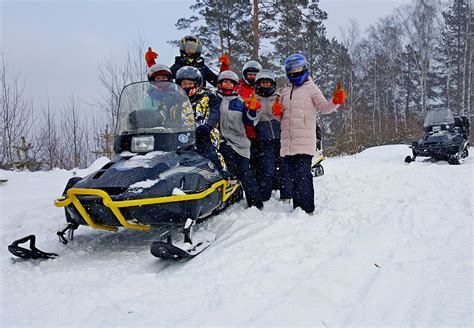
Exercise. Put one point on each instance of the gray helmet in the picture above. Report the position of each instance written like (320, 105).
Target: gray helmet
(251, 66)
(228, 75)
(189, 73)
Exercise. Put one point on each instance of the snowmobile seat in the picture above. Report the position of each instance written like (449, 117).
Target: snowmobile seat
(145, 119)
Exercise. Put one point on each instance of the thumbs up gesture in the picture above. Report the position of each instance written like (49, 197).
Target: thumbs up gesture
(339, 95)
(252, 102)
(225, 62)
(277, 107)
(150, 57)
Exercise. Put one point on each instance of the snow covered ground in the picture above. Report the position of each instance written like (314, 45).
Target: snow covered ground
(389, 244)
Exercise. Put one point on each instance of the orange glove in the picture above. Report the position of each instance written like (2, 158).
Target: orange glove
(252, 102)
(277, 107)
(339, 95)
(225, 62)
(150, 57)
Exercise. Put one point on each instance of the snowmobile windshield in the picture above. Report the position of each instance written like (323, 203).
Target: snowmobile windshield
(154, 107)
(438, 117)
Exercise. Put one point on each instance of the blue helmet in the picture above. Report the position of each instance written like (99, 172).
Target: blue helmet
(296, 69)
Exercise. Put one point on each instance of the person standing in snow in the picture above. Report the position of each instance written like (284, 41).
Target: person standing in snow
(300, 102)
(246, 89)
(268, 136)
(190, 55)
(235, 146)
(206, 113)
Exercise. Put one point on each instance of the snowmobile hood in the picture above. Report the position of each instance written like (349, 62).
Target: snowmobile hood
(156, 174)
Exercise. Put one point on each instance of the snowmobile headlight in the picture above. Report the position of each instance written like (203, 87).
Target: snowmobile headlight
(143, 144)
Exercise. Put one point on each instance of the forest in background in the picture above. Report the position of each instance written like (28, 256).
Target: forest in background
(417, 58)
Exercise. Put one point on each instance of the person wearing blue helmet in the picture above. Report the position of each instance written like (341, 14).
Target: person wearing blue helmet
(301, 101)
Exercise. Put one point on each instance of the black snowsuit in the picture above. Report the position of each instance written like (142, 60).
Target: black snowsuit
(207, 74)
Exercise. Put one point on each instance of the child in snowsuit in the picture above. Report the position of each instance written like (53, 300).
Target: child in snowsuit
(246, 89)
(268, 136)
(190, 55)
(206, 113)
(235, 146)
(300, 102)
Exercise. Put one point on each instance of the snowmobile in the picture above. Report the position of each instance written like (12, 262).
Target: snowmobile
(156, 180)
(446, 137)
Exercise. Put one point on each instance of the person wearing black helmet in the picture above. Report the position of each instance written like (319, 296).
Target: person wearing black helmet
(206, 113)
(190, 55)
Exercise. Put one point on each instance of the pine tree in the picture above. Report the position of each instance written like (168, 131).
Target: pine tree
(454, 64)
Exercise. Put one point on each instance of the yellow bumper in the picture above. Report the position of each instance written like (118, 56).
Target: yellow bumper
(71, 197)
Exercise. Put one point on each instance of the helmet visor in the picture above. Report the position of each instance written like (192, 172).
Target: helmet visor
(191, 47)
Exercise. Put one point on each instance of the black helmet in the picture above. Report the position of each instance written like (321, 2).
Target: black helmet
(190, 46)
(265, 75)
(250, 67)
(192, 74)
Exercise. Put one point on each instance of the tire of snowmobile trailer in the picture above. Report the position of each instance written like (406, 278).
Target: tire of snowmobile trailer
(408, 159)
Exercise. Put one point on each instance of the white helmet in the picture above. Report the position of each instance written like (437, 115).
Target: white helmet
(158, 69)
(227, 75)
(251, 66)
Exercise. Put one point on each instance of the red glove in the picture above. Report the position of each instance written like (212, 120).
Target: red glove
(225, 62)
(150, 57)
(252, 102)
(250, 131)
(339, 95)
(277, 107)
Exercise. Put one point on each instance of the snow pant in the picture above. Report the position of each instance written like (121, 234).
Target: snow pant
(255, 157)
(273, 174)
(299, 168)
(207, 150)
(239, 167)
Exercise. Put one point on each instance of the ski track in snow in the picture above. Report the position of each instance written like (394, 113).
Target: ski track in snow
(390, 244)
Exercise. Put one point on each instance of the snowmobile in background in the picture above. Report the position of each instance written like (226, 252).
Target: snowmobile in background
(316, 168)
(446, 137)
(156, 180)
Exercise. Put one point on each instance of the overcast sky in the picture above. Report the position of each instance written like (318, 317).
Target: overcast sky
(58, 45)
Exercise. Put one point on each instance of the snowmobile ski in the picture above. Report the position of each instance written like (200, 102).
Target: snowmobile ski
(32, 253)
(168, 251)
(165, 249)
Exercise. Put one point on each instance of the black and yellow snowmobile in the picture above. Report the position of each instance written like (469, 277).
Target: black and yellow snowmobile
(156, 180)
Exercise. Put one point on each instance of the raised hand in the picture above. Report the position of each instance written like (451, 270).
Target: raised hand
(339, 95)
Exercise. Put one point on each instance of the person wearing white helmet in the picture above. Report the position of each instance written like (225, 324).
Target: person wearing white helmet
(246, 89)
(235, 146)
(159, 72)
